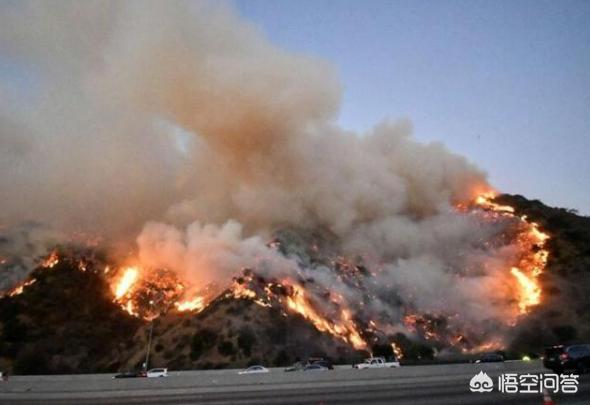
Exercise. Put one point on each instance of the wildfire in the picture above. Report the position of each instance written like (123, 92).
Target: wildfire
(19, 289)
(484, 347)
(530, 290)
(343, 328)
(51, 260)
(147, 293)
(240, 290)
(197, 304)
(47, 263)
(533, 257)
(485, 201)
(399, 354)
(293, 297)
(126, 282)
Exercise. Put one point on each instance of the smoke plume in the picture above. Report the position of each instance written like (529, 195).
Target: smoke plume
(181, 123)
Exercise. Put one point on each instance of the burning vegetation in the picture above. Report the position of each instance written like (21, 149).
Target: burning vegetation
(533, 253)
(149, 293)
(410, 333)
(372, 240)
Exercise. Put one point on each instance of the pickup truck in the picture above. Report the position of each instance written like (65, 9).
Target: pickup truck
(376, 362)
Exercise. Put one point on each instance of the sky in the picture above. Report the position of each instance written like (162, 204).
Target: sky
(505, 83)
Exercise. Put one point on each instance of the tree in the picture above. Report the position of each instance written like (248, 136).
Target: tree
(246, 340)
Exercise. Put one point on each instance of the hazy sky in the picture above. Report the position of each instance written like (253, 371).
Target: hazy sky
(506, 83)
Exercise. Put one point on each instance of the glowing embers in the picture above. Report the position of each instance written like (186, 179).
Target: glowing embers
(51, 260)
(48, 262)
(196, 304)
(530, 292)
(342, 326)
(18, 290)
(146, 293)
(397, 350)
(291, 296)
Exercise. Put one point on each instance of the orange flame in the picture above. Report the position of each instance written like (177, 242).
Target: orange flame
(533, 258)
(399, 354)
(51, 260)
(19, 289)
(344, 328)
(197, 304)
(530, 292)
(126, 282)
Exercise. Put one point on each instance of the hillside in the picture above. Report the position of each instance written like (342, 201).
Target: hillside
(563, 316)
(66, 321)
(235, 333)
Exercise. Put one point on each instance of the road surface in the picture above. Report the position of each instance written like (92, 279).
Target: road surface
(436, 384)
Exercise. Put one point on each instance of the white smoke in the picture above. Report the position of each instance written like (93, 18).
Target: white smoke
(179, 111)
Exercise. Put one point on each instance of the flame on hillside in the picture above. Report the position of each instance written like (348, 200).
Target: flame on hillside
(20, 288)
(196, 304)
(342, 326)
(533, 254)
(148, 293)
(125, 284)
(51, 260)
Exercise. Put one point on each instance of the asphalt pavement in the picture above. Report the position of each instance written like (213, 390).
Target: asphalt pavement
(435, 384)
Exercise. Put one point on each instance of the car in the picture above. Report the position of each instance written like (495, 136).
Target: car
(376, 362)
(157, 372)
(573, 357)
(254, 370)
(490, 358)
(128, 374)
(324, 363)
(314, 367)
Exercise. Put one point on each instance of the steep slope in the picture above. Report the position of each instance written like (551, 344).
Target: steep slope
(64, 322)
(564, 315)
(236, 332)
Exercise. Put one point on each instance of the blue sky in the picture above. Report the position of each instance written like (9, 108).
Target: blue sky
(505, 83)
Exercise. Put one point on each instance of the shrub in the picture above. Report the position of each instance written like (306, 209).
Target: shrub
(31, 361)
(282, 359)
(201, 342)
(246, 340)
(226, 348)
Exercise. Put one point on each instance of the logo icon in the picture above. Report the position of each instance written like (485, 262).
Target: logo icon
(481, 383)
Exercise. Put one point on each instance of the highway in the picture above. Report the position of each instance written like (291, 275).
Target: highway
(436, 384)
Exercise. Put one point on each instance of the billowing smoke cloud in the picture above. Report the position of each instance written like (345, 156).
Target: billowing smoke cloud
(208, 254)
(177, 112)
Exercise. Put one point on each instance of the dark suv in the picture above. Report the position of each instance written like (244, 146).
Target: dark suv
(324, 363)
(561, 358)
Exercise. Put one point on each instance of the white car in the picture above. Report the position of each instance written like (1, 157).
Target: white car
(376, 362)
(157, 372)
(254, 370)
